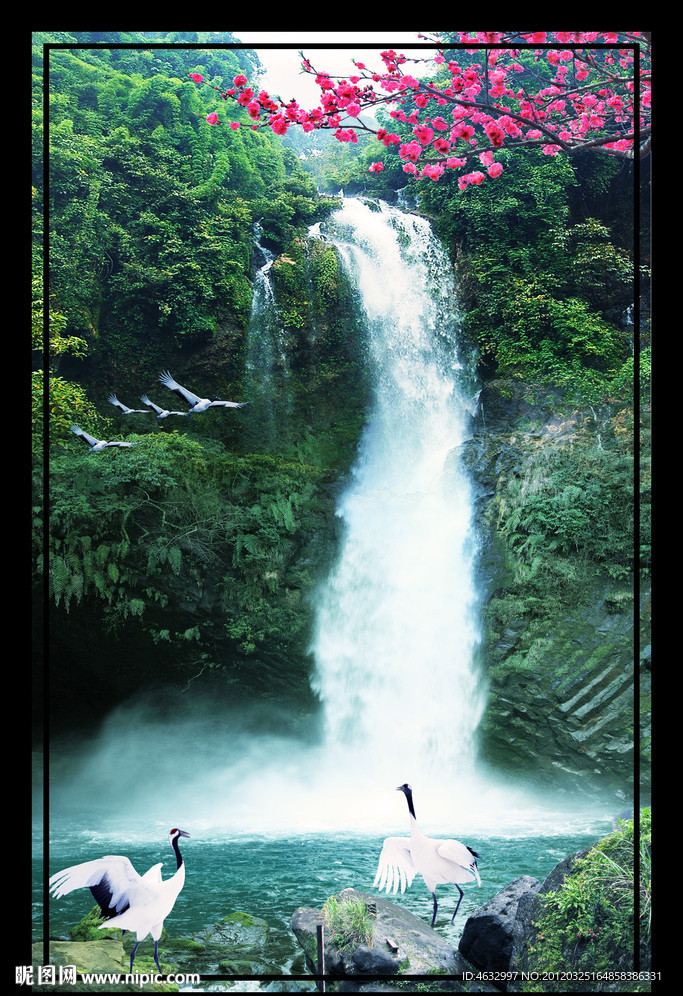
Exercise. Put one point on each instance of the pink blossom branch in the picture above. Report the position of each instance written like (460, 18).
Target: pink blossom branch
(592, 112)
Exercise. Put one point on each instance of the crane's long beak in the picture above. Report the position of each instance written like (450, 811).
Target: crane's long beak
(183, 834)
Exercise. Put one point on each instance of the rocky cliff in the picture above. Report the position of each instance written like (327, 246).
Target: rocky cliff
(560, 621)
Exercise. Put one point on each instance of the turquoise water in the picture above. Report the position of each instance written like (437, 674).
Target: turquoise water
(270, 876)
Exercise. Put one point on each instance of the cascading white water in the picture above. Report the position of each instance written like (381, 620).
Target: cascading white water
(267, 365)
(396, 621)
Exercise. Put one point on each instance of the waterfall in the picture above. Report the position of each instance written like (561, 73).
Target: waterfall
(267, 364)
(396, 630)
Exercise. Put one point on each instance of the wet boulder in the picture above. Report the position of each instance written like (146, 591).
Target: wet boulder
(494, 934)
(398, 942)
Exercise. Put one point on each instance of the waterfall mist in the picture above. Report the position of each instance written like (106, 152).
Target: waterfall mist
(396, 629)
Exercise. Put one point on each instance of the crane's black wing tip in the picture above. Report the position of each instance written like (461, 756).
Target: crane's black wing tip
(103, 894)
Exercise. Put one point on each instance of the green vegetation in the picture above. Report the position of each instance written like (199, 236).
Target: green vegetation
(570, 512)
(589, 923)
(198, 547)
(151, 212)
(545, 284)
(203, 548)
(88, 929)
(349, 922)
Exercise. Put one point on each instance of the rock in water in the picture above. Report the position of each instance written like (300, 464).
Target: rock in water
(494, 934)
(401, 942)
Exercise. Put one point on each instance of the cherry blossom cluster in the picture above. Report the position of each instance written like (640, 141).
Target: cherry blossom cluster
(584, 90)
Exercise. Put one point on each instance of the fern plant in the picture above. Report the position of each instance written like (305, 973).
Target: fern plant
(589, 924)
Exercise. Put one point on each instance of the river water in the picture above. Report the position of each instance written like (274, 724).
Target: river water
(270, 875)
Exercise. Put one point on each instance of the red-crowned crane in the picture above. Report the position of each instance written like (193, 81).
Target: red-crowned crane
(161, 412)
(139, 903)
(97, 445)
(113, 400)
(438, 861)
(196, 403)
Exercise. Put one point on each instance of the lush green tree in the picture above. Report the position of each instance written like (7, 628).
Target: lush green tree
(151, 213)
(545, 293)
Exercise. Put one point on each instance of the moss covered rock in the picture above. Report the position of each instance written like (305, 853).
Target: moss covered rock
(554, 508)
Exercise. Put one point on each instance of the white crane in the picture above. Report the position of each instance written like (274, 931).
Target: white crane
(438, 861)
(113, 400)
(97, 445)
(196, 403)
(161, 412)
(130, 901)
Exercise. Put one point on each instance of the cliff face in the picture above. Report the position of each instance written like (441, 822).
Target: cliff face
(559, 624)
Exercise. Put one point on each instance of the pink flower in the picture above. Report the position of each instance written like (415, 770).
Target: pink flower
(494, 170)
(495, 134)
(234, 125)
(510, 126)
(432, 171)
(376, 167)
(468, 178)
(197, 77)
(462, 131)
(345, 135)
(266, 102)
(423, 134)
(240, 79)
(279, 125)
(388, 138)
(245, 97)
(212, 118)
(410, 150)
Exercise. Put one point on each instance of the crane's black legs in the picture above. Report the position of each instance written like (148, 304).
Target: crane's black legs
(456, 908)
(459, 900)
(132, 956)
(156, 956)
